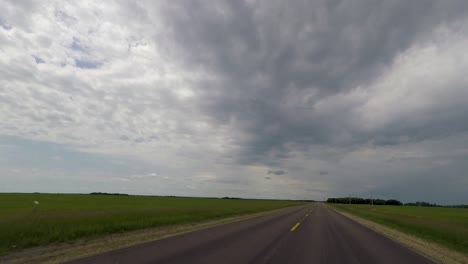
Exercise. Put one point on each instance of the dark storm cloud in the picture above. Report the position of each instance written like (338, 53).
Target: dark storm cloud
(274, 61)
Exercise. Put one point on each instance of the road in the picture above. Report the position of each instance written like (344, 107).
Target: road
(309, 234)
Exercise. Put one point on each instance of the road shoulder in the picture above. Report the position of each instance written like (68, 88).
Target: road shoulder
(433, 251)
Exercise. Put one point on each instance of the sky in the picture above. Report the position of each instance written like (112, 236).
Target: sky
(253, 99)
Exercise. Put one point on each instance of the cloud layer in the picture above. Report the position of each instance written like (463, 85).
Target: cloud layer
(345, 96)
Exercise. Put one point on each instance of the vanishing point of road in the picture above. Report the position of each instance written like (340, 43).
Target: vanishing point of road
(307, 234)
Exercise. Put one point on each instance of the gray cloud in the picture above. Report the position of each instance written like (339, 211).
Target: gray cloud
(6, 26)
(277, 172)
(371, 91)
(77, 45)
(84, 64)
(276, 63)
(38, 60)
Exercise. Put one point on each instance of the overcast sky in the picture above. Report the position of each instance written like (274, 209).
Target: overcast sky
(262, 99)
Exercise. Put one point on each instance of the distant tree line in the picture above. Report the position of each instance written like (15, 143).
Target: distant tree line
(458, 206)
(425, 204)
(104, 193)
(357, 200)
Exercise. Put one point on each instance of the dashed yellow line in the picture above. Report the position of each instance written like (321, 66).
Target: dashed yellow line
(298, 223)
(295, 226)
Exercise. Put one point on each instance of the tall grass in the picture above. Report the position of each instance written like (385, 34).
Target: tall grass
(67, 217)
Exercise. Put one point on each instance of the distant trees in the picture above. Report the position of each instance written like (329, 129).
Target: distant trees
(425, 204)
(344, 200)
(357, 200)
(393, 202)
(459, 206)
(376, 201)
(104, 193)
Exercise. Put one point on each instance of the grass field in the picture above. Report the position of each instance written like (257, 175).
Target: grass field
(445, 226)
(67, 217)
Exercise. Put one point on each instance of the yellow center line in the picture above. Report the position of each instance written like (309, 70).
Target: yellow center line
(295, 226)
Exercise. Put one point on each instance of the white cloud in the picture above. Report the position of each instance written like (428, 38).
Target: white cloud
(137, 93)
(424, 83)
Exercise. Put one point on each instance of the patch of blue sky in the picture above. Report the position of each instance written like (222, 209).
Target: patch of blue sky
(87, 64)
(38, 60)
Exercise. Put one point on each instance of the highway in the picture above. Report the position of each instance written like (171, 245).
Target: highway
(308, 234)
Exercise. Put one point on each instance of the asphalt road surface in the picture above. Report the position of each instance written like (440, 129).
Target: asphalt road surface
(309, 234)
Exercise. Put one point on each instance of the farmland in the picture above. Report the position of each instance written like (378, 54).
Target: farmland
(445, 226)
(66, 217)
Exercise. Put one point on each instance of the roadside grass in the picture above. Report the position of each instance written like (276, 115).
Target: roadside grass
(67, 217)
(445, 226)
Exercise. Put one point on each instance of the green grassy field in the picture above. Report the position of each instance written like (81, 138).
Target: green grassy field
(445, 226)
(67, 217)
